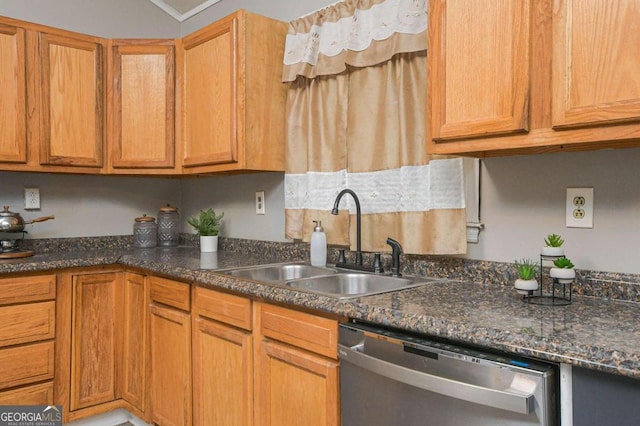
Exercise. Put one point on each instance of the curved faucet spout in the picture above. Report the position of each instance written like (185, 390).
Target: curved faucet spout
(334, 211)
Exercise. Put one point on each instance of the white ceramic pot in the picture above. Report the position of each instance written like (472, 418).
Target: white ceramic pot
(552, 251)
(208, 243)
(209, 260)
(525, 286)
(564, 275)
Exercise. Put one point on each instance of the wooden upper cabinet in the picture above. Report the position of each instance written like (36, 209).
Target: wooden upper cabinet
(232, 101)
(479, 67)
(596, 64)
(532, 76)
(141, 111)
(71, 100)
(13, 108)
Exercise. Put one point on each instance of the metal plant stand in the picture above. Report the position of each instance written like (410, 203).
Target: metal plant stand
(560, 291)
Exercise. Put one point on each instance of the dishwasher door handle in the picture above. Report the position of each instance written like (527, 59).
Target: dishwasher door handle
(522, 404)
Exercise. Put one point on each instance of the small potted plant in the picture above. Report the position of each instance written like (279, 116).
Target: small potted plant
(526, 281)
(553, 246)
(207, 226)
(563, 270)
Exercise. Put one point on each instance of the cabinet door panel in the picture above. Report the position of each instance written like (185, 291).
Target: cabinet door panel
(479, 67)
(93, 339)
(296, 387)
(135, 342)
(170, 334)
(596, 62)
(223, 375)
(210, 127)
(13, 108)
(143, 105)
(72, 101)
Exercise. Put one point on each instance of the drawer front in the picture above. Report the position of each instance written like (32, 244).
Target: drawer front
(26, 364)
(27, 323)
(226, 308)
(170, 293)
(27, 289)
(306, 331)
(40, 394)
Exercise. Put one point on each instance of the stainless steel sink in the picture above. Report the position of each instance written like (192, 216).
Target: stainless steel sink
(279, 273)
(348, 285)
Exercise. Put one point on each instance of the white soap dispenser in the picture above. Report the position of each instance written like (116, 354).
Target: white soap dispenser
(318, 245)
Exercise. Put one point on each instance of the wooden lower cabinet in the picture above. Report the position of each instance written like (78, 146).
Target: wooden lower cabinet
(222, 359)
(40, 394)
(295, 385)
(170, 336)
(94, 339)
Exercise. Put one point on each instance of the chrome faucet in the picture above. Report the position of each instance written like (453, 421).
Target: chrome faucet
(334, 211)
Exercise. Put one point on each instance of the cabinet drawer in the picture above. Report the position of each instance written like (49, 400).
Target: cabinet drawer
(226, 308)
(170, 293)
(27, 323)
(41, 394)
(306, 331)
(26, 364)
(27, 289)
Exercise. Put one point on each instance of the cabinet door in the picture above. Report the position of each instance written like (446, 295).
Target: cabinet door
(596, 66)
(93, 339)
(72, 100)
(170, 334)
(143, 93)
(222, 375)
(209, 95)
(479, 69)
(295, 387)
(13, 107)
(135, 341)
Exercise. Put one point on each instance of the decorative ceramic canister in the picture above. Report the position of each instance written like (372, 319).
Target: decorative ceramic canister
(168, 226)
(145, 232)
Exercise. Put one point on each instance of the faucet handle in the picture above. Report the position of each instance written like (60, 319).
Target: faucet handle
(341, 257)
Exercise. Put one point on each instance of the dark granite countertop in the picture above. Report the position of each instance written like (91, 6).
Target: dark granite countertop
(591, 332)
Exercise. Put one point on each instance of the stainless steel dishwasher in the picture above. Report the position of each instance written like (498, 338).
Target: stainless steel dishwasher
(391, 378)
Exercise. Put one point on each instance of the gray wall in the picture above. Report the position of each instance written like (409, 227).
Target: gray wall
(523, 198)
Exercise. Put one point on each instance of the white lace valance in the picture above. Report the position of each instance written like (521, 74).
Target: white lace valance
(352, 27)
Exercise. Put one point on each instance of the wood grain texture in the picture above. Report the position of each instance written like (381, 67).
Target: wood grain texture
(27, 323)
(222, 374)
(135, 341)
(223, 307)
(141, 108)
(26, 364)
(169, 292)
(31, 288)
(595, 62)
(13, 102)
(295, 387)
(40, 394)
(170, 375)
(94, 339)
(72, 99)
(306, 331)
(578, 100)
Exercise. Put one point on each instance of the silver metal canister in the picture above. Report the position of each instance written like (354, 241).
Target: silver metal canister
(145, 232)
(168, 226)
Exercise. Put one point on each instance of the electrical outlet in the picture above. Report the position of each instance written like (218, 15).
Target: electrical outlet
(579, 208)
(260, 202)
(32, 199)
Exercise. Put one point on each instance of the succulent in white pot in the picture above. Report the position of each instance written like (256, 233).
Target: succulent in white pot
(526, 281)
(553, 246)
(207, 225)
(563, 270)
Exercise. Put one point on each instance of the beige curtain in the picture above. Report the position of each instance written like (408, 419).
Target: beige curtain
(357, 120)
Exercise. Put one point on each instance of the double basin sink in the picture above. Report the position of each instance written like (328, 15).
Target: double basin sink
(337, 283)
